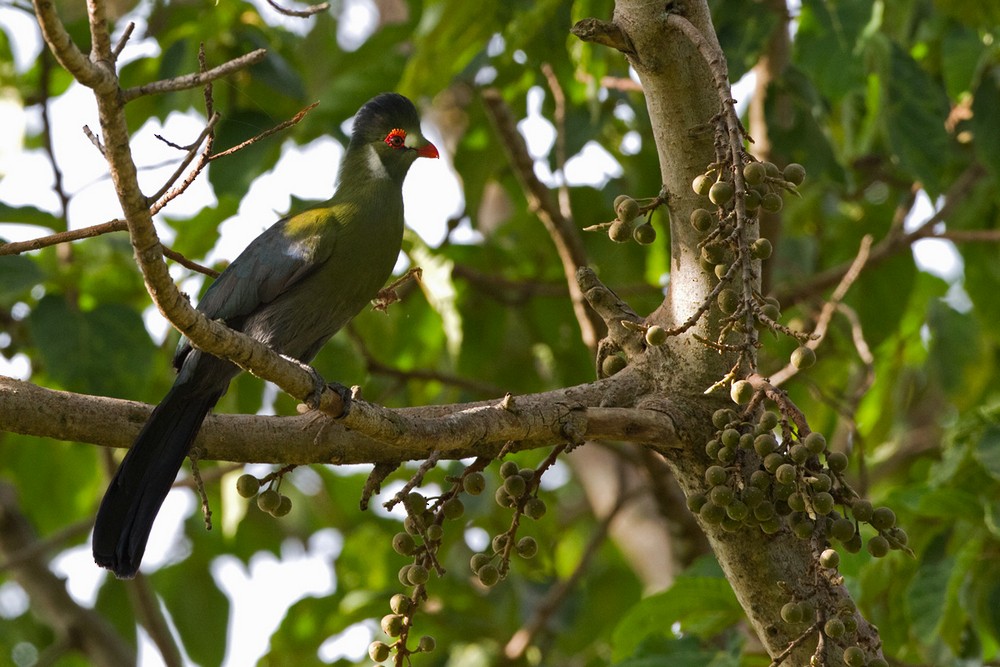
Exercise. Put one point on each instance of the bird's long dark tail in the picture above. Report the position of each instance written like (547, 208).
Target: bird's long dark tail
(135, 494)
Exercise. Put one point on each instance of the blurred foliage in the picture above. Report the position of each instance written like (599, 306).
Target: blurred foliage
(877, 98)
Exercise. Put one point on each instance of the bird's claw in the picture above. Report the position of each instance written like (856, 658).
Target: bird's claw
(345, 395)
(319, 384)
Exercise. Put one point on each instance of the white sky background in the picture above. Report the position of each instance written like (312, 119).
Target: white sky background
(432, 194)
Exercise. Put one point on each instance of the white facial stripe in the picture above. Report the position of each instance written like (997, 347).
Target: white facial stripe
(412, 140)
(375, 165)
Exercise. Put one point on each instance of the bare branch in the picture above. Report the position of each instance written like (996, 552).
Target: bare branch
(67, 53)
(82, 628)
(300, 13)
(606, 33)
(525, 636)
(823, 321)
(266, 133)
(18, 247)
(123, 40)
(457, 431)
(192, 151)
(893, 243)
(189, 81)
(564, 235)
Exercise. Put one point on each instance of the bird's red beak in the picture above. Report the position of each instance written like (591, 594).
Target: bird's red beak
(428, 150)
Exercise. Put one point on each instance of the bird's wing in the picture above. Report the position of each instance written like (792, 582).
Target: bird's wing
(276, 260)
(279, 258)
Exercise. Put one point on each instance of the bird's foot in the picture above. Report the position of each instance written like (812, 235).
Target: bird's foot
(346, 394)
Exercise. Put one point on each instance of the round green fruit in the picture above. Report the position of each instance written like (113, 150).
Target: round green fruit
(829, 558)
(247, 486)
(378, 651)
(283, 508)
(803, 357)
(729, 301)
(478, 561)
(794, 173)
(701, 220)
(268, 500)
(612, 364)
(837, 461)
(488, 575)
(701, 184)
(644, 234)
(721, 495)
(883, 518)
(656, 335)
(761, 249)
(721, 193)
(716, 475)
(862, 509)
(791, 612)
(535, 508)
(400, 604)
(627, 209)
(815, 442)
(753, 173)
(771, 202)
(843, 530)
(696, 501)
(785, 474)
(620, 232)
(453, 508)
(526, 547)
(403, 544)
(834, 628)
(392, 624)
(854, 656)
(741, 392)
(474, 483)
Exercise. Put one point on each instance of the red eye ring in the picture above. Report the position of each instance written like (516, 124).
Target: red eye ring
(396, 138)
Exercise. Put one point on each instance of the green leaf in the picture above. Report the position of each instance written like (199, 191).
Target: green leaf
(913, 118)
(233, 174)
(198, 609)
(703, 606)
(827, 44)
(18, 274)
(987, 451)
(986, 117)
(103, 351)
(676, 652)
(29, 215)
(926, 597)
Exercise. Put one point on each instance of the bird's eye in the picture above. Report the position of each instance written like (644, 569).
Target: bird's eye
(396, 138)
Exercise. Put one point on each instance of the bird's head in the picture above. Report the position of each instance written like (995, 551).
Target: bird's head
(387, 134)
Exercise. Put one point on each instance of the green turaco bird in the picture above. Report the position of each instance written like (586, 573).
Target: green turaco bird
(292, 288)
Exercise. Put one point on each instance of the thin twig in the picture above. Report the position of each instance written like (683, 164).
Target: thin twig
(823, 321)
(564, 235)
(266, 133)
(894, 243)
(115, 52)
(55, 541)
(544, 610)
(300, 13)
(18, 247)
(191, 152)
(189, 81)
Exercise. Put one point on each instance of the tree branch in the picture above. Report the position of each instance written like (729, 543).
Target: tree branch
(457, 431)
(211, 337)
(564, 235)
(83, 629)
(189, 81)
